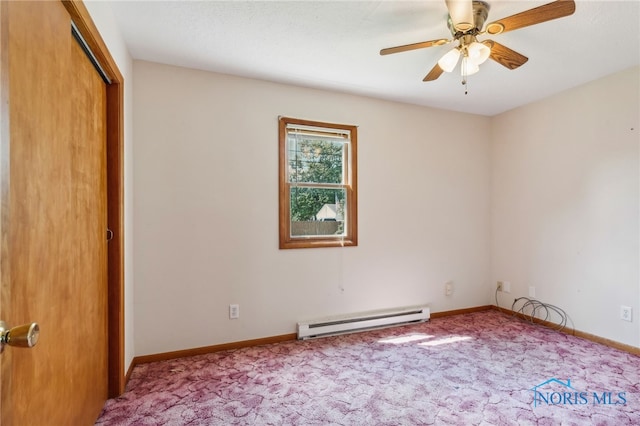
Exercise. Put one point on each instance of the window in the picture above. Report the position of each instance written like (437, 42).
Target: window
(318, 191)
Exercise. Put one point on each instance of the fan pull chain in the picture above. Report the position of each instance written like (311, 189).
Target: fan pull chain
(463, 68)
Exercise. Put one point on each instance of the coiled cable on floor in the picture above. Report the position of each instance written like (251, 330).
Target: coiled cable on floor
(535, 310)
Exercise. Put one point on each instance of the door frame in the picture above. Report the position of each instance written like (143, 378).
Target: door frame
(115, 191)
(115, 183)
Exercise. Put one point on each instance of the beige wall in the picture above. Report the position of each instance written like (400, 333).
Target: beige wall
(550, 189)
(566, 206)
(206, 210)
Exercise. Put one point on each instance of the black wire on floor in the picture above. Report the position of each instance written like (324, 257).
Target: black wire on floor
(532, 310)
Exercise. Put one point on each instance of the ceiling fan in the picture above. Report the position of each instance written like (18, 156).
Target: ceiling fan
(466, 21)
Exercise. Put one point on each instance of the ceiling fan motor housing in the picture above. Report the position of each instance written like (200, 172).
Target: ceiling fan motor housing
(480, 13)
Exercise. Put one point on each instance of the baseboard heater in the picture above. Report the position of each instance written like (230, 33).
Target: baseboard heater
(362, 321)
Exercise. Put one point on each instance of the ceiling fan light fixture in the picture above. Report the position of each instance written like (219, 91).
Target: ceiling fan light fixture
(466, 20)
(468, 67)
(478, 52)
(449, 60)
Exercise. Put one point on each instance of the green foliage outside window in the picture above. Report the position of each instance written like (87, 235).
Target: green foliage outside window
(317, 162)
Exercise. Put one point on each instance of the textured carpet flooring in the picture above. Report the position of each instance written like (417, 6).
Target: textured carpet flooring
(484, 368)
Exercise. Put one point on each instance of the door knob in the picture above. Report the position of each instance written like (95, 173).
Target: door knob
(22, 336)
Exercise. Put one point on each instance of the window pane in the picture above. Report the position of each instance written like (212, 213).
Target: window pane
(315, 159)
(317, 169)
(317, 212)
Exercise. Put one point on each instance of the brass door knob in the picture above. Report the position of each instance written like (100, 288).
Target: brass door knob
(22, 336)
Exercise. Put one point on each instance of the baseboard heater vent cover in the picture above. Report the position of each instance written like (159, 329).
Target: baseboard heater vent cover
(362, 321)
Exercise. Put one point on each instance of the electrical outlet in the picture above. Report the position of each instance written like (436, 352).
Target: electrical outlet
(532, 291)
(500, 285)
(506, 286)
(625, 313)
(448, 289)
(234, 311)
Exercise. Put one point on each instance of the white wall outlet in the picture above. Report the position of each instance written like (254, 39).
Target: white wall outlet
(506, 286)
(532, 291)
(625, 313)
(500, 285)
(448, 288)
(234, 311)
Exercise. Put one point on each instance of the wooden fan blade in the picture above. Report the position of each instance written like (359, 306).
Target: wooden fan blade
(505, 56)
(547, 12)
(435, 72)
(414, 46)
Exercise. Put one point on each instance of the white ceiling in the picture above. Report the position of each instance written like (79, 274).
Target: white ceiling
(334, 45)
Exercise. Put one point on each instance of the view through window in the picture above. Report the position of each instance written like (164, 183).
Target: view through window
(318, 205)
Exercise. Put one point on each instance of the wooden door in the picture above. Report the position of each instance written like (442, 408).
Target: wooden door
(54, 248)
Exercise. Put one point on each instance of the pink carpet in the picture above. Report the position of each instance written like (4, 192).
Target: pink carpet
(484, 368)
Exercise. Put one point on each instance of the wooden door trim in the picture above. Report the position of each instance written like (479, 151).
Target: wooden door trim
(5, 385)
(115, 190)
